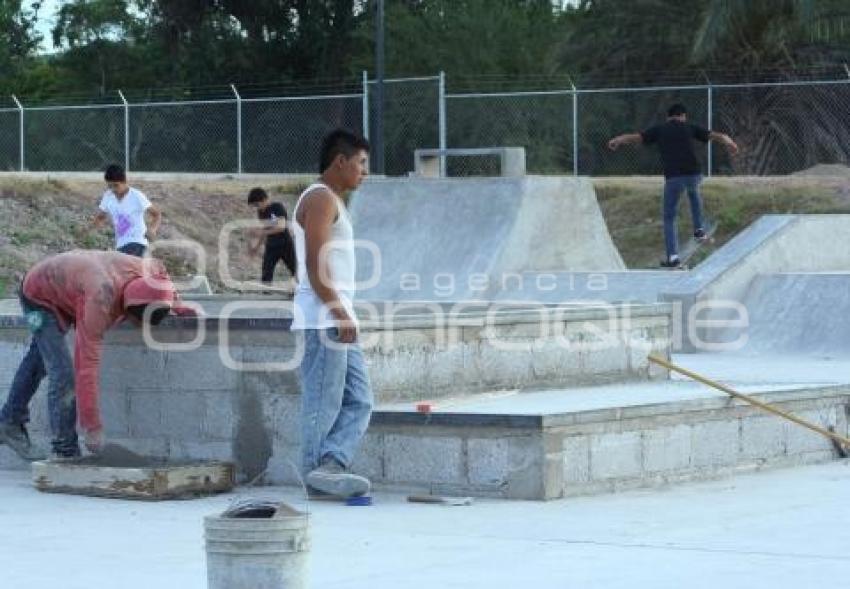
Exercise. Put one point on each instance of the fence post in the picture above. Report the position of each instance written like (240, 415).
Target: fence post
(20, 110)
(126, 131)
(365, 104)
(442, 122)
(710, 121)
(238, 129)
(575, 129)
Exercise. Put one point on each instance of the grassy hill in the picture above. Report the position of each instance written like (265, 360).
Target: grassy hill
(39, 217)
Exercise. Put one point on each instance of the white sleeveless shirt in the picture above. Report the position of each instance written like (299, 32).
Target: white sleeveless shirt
(310, 312)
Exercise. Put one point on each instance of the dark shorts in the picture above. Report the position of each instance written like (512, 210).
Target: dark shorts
(133, 249)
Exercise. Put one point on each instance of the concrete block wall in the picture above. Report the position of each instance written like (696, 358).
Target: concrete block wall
(690, 440)
(553, 456)
(192, 405)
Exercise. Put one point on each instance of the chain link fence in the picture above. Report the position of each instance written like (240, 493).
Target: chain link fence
(284, 134)
(781, 128)
(78, 138)
(411, 120)
(10, 139)
(541, 122)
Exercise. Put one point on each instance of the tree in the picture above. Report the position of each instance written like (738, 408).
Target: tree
(19, 41)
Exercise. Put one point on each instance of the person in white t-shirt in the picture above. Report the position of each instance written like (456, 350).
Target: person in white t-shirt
(133, 216)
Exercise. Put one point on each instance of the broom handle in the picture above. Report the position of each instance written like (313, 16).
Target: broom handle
(751, 400)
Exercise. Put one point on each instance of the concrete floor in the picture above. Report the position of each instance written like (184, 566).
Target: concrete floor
(773, 529)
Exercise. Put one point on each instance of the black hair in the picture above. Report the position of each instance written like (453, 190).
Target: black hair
(257, 195)
(340, 141)
(114, 173)
(138, 311)
(676, 110)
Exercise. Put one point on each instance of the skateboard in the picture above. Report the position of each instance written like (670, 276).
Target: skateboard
(693, 245)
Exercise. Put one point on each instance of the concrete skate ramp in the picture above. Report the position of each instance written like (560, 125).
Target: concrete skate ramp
(800, 314)
(775, 244)
(453, 238)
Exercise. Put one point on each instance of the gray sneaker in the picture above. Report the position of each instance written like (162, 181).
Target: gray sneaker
(16, 437)
(332, 478)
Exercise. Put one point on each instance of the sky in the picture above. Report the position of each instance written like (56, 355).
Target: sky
(46, 20)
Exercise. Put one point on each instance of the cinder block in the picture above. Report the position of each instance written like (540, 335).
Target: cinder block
(615, 455)
(667, 449)
(219, 419)
(553, 476)
(762, 438)
(123, 366)
(599, 358)
(576, 455)
(183, 414)
(499, 368)
(369, 460)
(146, 414)
(715, 443)
(487, 461)
(552, 360)
(282, 417)
(115, 413)
(423, 459)
(527, 462)
(799, 440)
(279, 382)
(181, 370)
(11, 355)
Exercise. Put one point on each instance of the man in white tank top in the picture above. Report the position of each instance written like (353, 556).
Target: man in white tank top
(336, 400)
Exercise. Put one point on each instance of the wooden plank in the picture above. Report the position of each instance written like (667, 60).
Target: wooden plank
(163, 481)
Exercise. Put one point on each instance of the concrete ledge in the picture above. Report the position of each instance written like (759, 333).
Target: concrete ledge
(552, 456)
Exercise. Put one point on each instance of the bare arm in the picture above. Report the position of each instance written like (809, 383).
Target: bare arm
(317, 214)
(154, 220)
(625, 139)
(725, 140)
(98, 220)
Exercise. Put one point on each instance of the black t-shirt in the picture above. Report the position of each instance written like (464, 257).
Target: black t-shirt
(273, 212)
(674, 144)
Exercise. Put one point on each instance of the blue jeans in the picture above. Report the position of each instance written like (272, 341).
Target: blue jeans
(47, 356)
(673, 188)
(336, 399)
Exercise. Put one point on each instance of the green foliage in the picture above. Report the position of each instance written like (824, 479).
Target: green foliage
(180, 49)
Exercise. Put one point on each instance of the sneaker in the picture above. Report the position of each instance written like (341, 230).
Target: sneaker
(314, 494)
(671, 262)
(16, 437)
(700, 235)
(65, 456)
(331, 478)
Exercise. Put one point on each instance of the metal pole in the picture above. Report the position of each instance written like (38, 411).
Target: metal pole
(751, 400)
(365, 104)
(126, 131)
(238, 129)
(378, 144)
(575, 129)
(441, 122)
(21, 110)
(710, 121)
